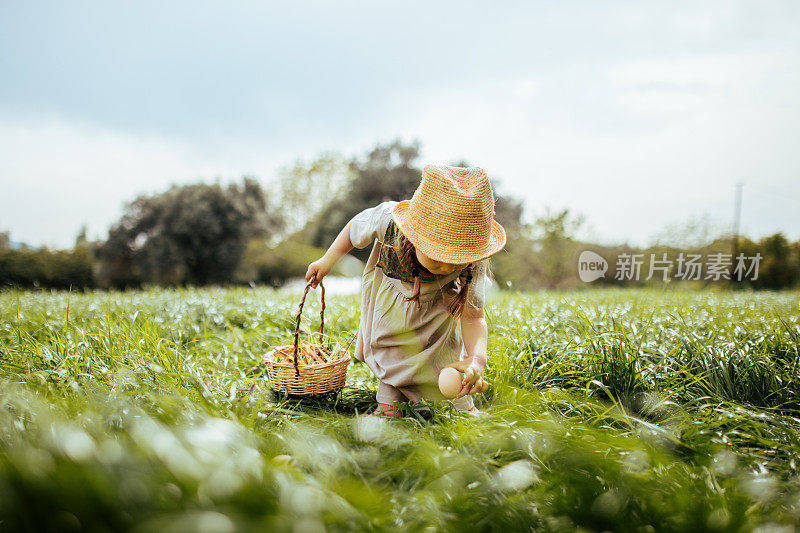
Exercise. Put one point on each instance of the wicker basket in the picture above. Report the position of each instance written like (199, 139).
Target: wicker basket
(306, 380)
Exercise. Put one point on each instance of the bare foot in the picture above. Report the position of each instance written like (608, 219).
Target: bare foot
(474, 411)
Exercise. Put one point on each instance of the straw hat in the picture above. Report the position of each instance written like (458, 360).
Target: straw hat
(450, 218)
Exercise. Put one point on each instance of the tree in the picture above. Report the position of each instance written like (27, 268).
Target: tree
(696, 232)
(306, 188)
(81, 239)
(780, 265)
(189, 234)
(556, 236)
(387, 173)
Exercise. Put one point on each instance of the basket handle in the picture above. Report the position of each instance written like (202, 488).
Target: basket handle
(300, 315)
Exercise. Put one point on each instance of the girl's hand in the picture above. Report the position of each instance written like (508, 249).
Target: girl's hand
(473, 381)
(318, 270)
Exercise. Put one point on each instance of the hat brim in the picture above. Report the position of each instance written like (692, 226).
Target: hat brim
(447, 254)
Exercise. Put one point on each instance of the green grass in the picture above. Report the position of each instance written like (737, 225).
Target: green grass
(609, 410)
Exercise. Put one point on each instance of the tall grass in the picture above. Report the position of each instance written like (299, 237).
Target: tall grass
(609, 410)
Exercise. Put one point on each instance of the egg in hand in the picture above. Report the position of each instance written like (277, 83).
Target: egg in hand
(450, 382)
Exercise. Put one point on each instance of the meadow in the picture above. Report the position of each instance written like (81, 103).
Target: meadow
(625, 410)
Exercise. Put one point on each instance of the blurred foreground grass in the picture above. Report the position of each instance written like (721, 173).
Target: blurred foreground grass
(625, 410)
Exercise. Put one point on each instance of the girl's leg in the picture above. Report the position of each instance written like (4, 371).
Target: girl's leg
(386, 396)
(463, 404)
(414, 395)
(466, 405)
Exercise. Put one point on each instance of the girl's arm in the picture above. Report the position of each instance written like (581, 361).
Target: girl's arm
(340, 246)
(361, 231)
(475, 334)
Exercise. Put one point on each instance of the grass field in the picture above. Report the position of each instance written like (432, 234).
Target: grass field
(609, 410)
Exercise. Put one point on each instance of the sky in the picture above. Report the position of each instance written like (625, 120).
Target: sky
(639, 116)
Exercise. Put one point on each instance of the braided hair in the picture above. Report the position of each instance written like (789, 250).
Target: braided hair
(456, 306)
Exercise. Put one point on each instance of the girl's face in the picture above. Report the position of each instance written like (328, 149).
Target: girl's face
(437, 267)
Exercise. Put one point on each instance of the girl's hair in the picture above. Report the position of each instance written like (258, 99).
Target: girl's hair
(456, 305)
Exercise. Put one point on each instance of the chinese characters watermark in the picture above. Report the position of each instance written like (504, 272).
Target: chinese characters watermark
(686, 267)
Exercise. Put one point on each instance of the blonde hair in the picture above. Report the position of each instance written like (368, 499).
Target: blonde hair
(457, 303)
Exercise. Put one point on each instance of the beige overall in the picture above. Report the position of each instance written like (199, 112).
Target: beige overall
(405, 347)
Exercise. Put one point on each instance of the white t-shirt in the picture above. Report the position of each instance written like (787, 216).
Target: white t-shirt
(371, 224)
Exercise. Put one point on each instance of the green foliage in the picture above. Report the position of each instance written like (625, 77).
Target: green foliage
(56, 269)
(274, 265)
(189, 234)
(517, 265)
(305, 188)
(389, 172)
(780, 267)
(556, 245)
(635, 410)
(543, 255)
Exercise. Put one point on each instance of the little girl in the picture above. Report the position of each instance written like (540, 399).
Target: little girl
(431, 258)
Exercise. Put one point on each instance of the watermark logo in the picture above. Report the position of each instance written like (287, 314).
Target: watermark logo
(686, 266)
(591, 266)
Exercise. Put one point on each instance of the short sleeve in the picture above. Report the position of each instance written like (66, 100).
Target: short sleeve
(476, 297)
(370, 224)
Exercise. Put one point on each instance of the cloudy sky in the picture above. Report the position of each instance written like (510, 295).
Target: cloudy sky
(638, 115)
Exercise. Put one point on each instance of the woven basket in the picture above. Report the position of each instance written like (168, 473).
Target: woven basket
(311, 379)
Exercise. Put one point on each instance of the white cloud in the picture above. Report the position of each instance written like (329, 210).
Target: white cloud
(633, 144)
(58, 175)
(693, 126)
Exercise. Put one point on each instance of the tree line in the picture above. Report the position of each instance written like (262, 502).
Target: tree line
(203, 234)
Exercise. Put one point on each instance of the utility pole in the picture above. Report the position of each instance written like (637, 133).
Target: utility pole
(737, 215)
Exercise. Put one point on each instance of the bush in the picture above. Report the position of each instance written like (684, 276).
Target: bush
(192, 234)
(274, 265)
(55, 269)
